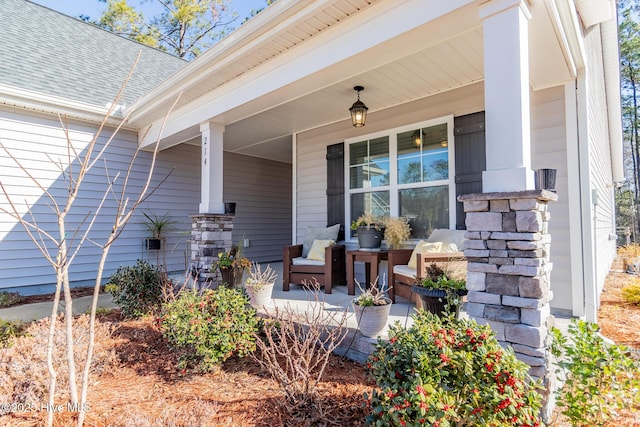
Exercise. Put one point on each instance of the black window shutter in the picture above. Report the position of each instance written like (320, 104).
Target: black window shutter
(335, 186)
(469, 133)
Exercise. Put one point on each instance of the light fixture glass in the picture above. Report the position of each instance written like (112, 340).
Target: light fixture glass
(417, 140)
(358, 110)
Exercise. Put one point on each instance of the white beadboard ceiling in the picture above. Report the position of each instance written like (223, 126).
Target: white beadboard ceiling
(266, 131)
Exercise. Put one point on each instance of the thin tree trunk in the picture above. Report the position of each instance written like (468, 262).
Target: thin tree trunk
(68, 315)
(50, 344)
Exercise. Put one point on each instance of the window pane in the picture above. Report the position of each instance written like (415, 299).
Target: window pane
(409, 143)
(435, 164)
(426, 209)
(358, 153)
(375, 202)
(379, 174)
(379, 148)
(358, 176)
(409, 170)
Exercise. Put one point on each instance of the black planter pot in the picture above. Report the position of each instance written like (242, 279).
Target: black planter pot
(154, 244)
(435, 300)
(370, 238)
(546, 179)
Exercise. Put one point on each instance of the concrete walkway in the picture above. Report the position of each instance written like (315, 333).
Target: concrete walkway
(40, 310)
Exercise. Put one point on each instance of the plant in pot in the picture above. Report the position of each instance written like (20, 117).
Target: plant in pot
(231, 265)
(372, 309)
(440, 292)
(259, 285)
(157, 226)
(370, 231)
(396, 232)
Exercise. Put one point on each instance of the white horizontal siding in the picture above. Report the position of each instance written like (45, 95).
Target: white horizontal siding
(549, 150)
(601, 175)
(38, 141)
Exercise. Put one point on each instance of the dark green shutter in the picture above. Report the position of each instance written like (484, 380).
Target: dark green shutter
(469, 133)
(335, 186)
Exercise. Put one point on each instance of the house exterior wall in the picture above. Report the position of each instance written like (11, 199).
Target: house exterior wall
(600, 177)
(549, 150)
(261, 190)
(33, 137)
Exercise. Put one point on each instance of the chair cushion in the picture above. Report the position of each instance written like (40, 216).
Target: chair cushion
(318, 249)
(304, 261)
(449, 247)
(404, 270)
(446, 235)
(319, 233)
(422, 248)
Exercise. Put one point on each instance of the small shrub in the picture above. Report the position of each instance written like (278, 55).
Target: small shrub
(444, 371)
(600, 378)
(631, 293)
(10, 330)
(138, 289)
(8, 299)
(295, 347)
(208, 328)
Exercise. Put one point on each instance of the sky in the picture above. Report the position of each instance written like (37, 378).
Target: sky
(94, 8)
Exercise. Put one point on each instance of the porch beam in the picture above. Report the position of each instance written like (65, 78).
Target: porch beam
(211, 181)
(507, 101)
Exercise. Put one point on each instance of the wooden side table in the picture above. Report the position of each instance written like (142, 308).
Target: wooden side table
(371, 261)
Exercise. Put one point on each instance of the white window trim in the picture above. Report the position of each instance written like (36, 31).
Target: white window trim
(393, 169)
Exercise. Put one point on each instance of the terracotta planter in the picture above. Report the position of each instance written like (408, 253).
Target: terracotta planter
(372, 318)
(259, 296)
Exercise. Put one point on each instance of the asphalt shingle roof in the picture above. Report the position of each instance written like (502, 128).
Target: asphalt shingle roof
(48, 52)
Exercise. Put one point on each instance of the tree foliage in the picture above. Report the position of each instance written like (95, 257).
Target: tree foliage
(185, 28)
(629, 34)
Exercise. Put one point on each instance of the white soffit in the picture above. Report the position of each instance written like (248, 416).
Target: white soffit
(594, 11)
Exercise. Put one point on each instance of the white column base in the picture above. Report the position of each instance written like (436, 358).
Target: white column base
(505, 180)
(211, 208)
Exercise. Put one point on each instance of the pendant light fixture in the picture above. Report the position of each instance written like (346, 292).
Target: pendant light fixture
(358, 110)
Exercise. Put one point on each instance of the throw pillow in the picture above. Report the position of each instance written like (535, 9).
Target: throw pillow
(316, 252)
(449, 247)
(422, 248)
(319, 233)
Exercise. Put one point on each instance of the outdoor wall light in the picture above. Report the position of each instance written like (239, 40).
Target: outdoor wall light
(358, 110)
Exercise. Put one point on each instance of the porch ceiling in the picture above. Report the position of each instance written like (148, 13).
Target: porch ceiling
(436, 57)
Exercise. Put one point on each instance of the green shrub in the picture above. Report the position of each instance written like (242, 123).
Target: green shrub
(9, 330)
(208, 328)
(8, 299)
(444, 371)
(631, 293)
(138, 289)
(600, 378)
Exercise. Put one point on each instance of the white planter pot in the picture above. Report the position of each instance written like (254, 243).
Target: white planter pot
(372, 319)
(259, 296)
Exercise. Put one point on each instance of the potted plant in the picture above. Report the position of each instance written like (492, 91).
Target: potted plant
(439, 292)
(157, 226)
(370, 231)
(231, 265)
(259, 285)
(372, 310)
(396, 232)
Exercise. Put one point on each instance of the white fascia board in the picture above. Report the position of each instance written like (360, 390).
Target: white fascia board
(322, 52)
(595, 11)
(49, 104)
(566, 23)
(611, 64)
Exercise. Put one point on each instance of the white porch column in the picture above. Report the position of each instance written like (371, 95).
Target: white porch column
(506, 92)
(211, 181)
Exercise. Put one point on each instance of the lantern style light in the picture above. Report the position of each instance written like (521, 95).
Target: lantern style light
(358, 110)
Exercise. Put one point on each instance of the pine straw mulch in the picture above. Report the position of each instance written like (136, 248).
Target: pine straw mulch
(136, 382)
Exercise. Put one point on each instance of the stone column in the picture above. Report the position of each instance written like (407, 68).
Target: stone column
(210, 235)
(508, 274)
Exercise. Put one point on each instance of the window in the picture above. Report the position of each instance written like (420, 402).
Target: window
(406, 172)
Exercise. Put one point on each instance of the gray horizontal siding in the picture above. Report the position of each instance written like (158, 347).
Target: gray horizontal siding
(261, 190)
(29, 137)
